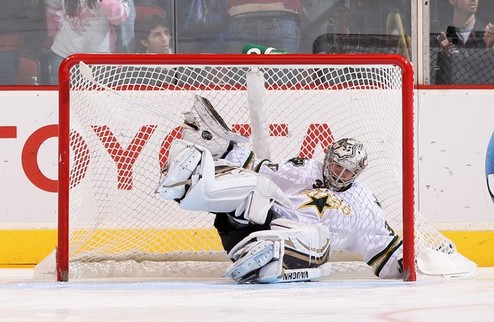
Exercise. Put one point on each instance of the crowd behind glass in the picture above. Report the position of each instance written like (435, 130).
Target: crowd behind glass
(38, 34)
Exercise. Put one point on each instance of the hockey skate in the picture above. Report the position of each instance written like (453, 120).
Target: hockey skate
(205, 127)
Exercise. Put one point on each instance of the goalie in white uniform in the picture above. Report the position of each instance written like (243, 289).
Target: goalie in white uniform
(278, 222)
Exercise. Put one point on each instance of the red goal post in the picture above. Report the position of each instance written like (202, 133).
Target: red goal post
(290, 79)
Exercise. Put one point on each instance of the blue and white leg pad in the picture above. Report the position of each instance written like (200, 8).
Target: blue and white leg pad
(184, 160)
(290, 252)
(256, 255)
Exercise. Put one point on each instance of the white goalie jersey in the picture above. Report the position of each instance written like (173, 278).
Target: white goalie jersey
(209, 171)
(355, 219)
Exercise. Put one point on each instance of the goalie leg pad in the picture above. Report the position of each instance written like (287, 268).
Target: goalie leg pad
(193, 179)
(256, 255)
(244, 193)
(292, 252)
(184, 158)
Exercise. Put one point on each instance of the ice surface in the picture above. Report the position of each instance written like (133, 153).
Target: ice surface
(23, 298)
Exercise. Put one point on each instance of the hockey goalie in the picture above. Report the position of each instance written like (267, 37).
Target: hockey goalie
(279, 222)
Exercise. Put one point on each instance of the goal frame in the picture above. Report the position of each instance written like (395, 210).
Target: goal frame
(62, 251)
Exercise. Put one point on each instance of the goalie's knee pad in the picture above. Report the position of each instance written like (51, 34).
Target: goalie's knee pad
(290, 252)
(205, 127)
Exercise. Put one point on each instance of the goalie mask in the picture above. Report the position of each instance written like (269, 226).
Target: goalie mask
(205, 127)
(344, 161)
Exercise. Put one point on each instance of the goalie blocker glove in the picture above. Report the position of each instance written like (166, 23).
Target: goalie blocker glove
(289, 252)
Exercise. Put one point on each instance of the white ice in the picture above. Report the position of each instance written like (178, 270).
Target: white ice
(23, 298)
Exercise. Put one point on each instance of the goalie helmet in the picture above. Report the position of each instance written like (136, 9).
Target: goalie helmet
(205, 127)
(344, 161)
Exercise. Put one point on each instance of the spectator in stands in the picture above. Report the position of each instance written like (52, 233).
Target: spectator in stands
(466, 31)
(200, 24)
(125, 31)
(369, 26)
(12, 19)
(272, 23)
(82, 27)
(153, 36)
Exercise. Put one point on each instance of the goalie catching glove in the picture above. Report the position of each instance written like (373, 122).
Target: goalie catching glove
(289, 252)
(204, 126)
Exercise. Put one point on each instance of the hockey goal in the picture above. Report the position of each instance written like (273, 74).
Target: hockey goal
(120, 113)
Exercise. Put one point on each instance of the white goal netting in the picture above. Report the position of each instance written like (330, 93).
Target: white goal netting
(124, 116)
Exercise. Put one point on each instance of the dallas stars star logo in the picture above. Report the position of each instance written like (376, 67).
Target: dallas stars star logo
(318, 199)
(322, 200)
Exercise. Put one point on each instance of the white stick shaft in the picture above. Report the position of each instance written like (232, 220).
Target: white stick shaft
(260, 131)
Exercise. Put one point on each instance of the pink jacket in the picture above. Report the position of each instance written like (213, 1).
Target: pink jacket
(90, 32)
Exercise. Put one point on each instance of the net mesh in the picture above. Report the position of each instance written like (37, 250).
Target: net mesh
(123, 119)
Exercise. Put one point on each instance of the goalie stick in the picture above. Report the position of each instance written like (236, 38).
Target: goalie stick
(260, 131)
(87, 73)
